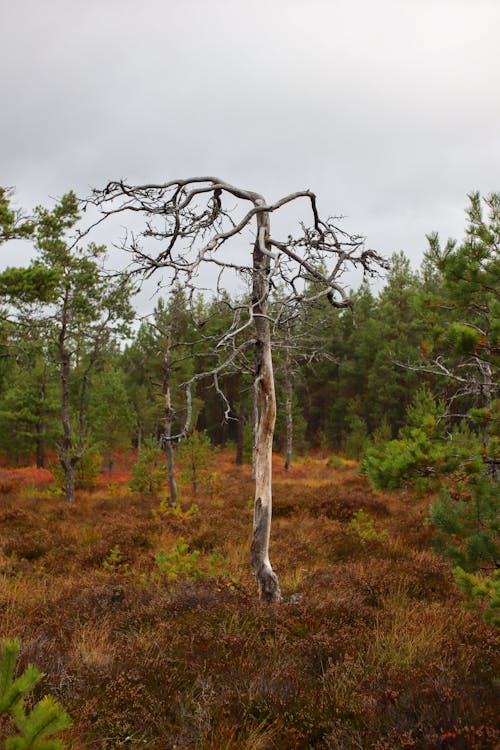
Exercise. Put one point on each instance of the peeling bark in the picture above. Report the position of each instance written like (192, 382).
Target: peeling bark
(267, 581)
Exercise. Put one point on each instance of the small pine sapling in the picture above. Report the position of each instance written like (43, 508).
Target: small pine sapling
(197, 455)
(363, 527)
(35, 726)
(165, 510)
(481, 591)
(180, 562)
(149, 471)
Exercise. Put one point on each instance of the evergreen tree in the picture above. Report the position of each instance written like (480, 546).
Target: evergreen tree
(111, 417)
(37, 724)
(78, 309)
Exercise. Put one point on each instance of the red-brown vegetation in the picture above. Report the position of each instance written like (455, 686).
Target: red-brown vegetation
(370, 649)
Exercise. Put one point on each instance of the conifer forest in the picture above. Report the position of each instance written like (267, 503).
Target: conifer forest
(258, 507)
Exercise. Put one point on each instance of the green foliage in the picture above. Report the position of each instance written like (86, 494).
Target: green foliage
(33, 284)
(389, 465)
(36, 726)
(481, 591)
(463, 338)
(13, 225)
(114, 562)
(149, 471)
(165, 510)
(29, 406)
(468, 524)
(363, 527)
(197, 454)
(421, 450)
(110, 411)
(178, 563)
(181, 563)
(357, 437)
(87, 470)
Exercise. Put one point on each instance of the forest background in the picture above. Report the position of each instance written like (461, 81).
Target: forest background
(403, 385)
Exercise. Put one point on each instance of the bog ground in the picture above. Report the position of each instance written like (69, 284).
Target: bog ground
(149, 630)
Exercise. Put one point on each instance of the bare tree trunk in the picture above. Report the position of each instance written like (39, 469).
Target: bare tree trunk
(255, 424)
(169, 418)
(171, 470)
(267, 580)
(288, 412)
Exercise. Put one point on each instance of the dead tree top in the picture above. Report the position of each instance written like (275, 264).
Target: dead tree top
(189, 219)
(189, 224)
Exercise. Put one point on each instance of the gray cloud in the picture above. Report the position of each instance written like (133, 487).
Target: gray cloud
(388, 110)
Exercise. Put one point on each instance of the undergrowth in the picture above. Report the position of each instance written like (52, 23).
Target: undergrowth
(147, 625)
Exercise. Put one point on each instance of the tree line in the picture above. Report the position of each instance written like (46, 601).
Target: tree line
(347, 376)
(405, 379)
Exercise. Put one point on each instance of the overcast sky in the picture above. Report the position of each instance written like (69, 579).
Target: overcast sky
(388, 109)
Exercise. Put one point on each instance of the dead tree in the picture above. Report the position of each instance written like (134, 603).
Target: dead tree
(189, 225)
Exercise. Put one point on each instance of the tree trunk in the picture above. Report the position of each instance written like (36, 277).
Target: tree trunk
(288, 412)
(40, 427)
(40, 446)
(241, 433)
(255, 424)
(169, 418)
(66, 444)
(267, 580)
(70, 482)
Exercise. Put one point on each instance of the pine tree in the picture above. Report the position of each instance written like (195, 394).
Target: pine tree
(35, 726)
(67, 297)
